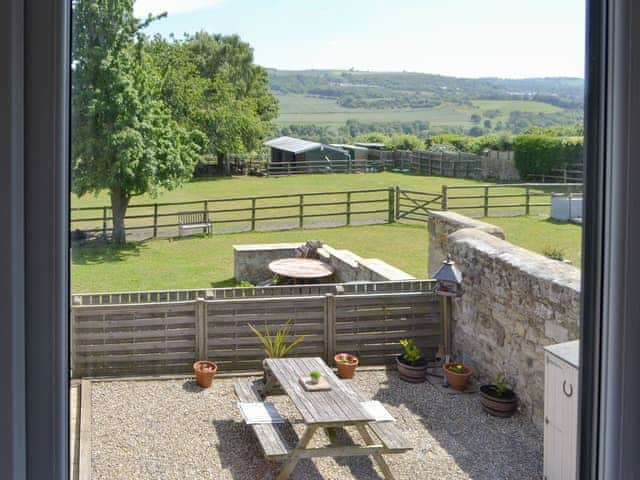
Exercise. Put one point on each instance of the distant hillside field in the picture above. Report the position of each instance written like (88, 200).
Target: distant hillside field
(330, 98)
(298, 108)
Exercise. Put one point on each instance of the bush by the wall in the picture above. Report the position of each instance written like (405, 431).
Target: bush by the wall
(540, 154)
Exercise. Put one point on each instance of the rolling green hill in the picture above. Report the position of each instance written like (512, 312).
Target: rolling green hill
(326, 104)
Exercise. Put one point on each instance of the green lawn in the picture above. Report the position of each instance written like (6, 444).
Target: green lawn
(198, 262)
(539, 233)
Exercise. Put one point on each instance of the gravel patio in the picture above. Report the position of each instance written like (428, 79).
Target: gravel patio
(172, 429)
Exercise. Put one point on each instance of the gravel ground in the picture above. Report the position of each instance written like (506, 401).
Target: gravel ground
(172, 429)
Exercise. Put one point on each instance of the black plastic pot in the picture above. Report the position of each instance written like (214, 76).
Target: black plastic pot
(413, 373)
(498, 406)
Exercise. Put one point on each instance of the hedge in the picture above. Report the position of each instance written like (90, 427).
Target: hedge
(540, 154)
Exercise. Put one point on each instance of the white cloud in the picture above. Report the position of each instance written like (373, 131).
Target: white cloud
(144, 7)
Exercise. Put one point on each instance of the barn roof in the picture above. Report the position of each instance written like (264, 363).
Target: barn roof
(293, 145)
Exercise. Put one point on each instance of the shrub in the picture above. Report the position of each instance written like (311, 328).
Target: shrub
(406, 142)
(540, 154)
(411, 353)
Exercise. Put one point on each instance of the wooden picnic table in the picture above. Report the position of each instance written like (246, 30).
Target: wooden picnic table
(301, 268)
(339, 407)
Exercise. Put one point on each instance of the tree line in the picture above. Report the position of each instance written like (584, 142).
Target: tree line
(145, 109)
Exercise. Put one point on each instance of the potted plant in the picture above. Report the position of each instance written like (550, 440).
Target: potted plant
(346, 364)
(315, 376)
(276, 344)
(458, 375)
(205, 370)
(412, 367)
(498, 399)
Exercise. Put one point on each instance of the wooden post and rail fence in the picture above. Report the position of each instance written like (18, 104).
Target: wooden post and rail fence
(315, 209)
(166, 337)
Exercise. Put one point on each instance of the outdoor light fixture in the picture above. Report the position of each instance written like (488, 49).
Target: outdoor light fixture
(448, 279)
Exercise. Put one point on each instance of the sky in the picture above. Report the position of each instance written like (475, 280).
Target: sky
(463, 38)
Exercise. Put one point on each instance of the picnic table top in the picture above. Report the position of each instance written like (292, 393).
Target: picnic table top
(301, 268)
(338, 406)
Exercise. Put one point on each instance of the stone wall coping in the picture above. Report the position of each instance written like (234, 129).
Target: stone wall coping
(519, 258)
(266, 246)
(345, 256)
(385, 270)
(461, 221)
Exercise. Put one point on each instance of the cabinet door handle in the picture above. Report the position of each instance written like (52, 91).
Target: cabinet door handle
(564, 389)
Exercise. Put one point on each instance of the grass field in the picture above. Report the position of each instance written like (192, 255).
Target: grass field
(200, 262)
(296, 108)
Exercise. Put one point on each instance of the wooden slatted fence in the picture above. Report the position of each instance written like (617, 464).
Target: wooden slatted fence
(157, 296)
(162, 338)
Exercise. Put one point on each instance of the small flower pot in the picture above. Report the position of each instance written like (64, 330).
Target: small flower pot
(346, 364)
(497, 405)
(457, 380)
(205, 371)
(412, 372)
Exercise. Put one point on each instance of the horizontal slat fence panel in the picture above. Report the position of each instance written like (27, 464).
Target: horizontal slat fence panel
(160, 296)
(235, 347)
(372, 326)
(133, 339)
(166, 337)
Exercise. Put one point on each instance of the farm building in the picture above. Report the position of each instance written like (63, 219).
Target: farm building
(355, 152)
(295, 150)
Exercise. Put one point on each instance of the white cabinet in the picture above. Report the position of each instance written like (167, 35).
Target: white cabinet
(561, 411)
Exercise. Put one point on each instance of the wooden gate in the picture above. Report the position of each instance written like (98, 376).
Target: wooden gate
(412, 205)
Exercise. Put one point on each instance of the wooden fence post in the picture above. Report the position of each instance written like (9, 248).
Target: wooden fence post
(527, 207)
(104, 221)
(155, 220)
(397, 189)
(201, 329)
(444, 201)
(301, 211)
(391, 210)
(329, 327)
(348, 208)
(253, 214)
(486, 201)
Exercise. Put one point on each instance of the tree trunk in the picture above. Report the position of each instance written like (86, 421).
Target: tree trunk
(119, 204)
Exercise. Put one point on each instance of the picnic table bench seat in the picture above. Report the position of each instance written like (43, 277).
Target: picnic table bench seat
(271, 441)
(387, 432)
(193, 221)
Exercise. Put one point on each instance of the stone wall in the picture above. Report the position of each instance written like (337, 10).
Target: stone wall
(515, 303)
(251, 263)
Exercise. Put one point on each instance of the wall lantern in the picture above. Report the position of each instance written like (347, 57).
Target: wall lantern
(448, 279)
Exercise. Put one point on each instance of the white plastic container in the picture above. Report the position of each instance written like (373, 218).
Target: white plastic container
(566, 207)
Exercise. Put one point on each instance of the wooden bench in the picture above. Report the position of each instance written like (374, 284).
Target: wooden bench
(389, 435)
(194, 221)
(272, 443)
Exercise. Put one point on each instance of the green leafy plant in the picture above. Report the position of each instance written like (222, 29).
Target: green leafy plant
(315, 375)
(275, 345)
(457, 368)
(500, 385)
(411, 353)
(553, 253)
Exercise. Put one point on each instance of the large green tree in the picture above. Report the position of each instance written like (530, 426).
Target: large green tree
(210, 82)
(125, 139)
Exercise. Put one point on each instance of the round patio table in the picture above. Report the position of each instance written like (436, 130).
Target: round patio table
(301, 268)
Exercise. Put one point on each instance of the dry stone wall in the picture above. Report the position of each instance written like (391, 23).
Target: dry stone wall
(515, 303)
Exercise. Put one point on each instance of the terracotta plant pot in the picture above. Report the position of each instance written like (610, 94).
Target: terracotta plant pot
(496, 405)
(205, 371)
(346, 364)
(457, 381)
(412, 373)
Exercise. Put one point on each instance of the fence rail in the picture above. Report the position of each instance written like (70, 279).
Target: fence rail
(265, 212)
(168, 296)
(318, 166)
(483, 200)
(146, 338)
